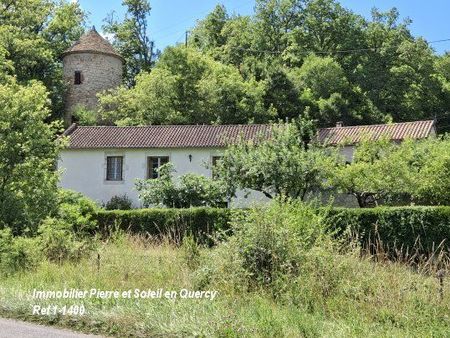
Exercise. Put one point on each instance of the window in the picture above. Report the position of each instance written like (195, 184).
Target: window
(77, 80)
(215, 160)
(154, 163)
(114, 168)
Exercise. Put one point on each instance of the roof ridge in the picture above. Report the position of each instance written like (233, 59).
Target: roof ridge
(70, 130)
(378, 124)
(179, 125)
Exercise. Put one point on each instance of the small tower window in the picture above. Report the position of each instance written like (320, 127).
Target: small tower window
(77, 77)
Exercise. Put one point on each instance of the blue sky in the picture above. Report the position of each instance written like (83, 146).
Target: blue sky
(171, 18)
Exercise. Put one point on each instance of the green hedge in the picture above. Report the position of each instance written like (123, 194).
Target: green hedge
(198, 222)
(396, 227)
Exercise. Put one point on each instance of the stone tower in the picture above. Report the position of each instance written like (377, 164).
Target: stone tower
(90, 66)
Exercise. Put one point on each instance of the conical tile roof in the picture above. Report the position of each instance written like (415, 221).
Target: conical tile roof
(92, 42)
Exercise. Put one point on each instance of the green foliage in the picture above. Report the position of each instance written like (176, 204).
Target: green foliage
(432, 180)
(190, 190)
(58, 241)
(33, 34)
(67, 233)
(176, 223)
(28, 151)
(131, 38)
(383, 172)
(84, 117)
(122, 202)
(323, 87)
(77, 211)
(17, 253)
(398, 228)
(186, 87)
(318, 54)
(283, 165)
(271, 242)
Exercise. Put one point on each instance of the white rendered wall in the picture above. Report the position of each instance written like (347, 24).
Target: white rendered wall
(85, 171)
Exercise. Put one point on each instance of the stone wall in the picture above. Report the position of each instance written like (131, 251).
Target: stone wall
(99, 72)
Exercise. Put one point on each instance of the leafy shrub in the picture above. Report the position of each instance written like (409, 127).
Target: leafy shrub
(67, 234)
(119, 203)
(76, 210)
(85, 117)
(58, 241)
(199, 222)
(28, 181)
(189, 191)
(17, 253)
(270, 243)
(433, 177)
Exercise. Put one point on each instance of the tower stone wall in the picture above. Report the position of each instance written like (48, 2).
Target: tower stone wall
(98, 72)
(90, 67)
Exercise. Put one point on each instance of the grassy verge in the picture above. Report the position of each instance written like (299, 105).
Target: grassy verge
(342, 295)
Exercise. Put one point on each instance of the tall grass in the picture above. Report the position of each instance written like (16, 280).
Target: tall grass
(280, 274)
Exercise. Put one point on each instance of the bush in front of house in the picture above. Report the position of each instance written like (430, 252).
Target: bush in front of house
(421, 227)
(271, 241)
(199, 222)
(272, 248)
(189, 190)
(77, 210)
(122, 202)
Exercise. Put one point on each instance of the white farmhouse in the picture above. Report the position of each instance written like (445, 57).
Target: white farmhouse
(104, 161)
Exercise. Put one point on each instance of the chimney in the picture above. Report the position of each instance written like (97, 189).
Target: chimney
(339, 124)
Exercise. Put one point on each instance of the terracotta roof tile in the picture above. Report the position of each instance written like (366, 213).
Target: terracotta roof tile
(162, 136)
(394, 131)
(92, 42)
(203, 136)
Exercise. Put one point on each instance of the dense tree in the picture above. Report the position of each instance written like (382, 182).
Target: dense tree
(381, 70)
(131, 38)
(33, 34)
(28, 151)
(281, 95)
(208, 32)
(274, 20)
(187, 87)
(326, 28)
(432, 178)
